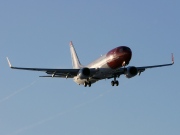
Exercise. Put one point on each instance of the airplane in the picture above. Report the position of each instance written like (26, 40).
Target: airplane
(108, 66)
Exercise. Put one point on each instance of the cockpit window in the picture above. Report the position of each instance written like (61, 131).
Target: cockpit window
(126, 49)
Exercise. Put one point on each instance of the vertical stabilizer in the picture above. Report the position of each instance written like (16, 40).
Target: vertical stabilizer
(75, 60)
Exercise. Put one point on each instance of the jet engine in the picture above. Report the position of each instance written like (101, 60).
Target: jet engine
(84, 73)
(131, 72)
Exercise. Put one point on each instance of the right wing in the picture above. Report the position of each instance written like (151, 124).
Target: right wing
(142, 69)
(121, 71)
(63, 73)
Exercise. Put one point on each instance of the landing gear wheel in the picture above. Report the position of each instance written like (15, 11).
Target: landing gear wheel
(112, 83)
(117, 83)
(89, 84)
(85, 84)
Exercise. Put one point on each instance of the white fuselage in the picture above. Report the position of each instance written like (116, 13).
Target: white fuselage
(106, 65)
(103, 70)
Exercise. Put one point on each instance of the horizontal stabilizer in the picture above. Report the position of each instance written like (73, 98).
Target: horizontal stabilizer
(46, 76)
(57, 76)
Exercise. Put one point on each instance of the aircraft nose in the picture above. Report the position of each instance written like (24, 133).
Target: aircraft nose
(126, 57)
(118, 57)
(125, 54)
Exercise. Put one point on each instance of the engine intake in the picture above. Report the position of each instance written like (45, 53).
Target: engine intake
(131, 72)
(84, 73)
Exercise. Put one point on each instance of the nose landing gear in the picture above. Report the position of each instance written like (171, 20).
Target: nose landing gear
(115, 82)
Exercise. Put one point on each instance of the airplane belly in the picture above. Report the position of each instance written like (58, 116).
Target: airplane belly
(103, 73)
(81, 81)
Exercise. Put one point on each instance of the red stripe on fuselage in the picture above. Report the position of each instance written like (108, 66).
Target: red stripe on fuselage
(117, 56)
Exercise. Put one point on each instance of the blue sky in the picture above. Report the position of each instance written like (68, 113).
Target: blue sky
(36, 33)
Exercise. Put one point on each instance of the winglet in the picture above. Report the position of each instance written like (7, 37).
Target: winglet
(172, 58)
(9, 62)
(71, 43)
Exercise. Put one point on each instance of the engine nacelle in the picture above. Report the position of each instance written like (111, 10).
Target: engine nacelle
(84, 73)
(131, 72)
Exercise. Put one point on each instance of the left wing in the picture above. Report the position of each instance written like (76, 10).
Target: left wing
(64, 73)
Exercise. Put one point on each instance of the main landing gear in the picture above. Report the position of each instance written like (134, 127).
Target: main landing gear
(87, 83)
(115, 82)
